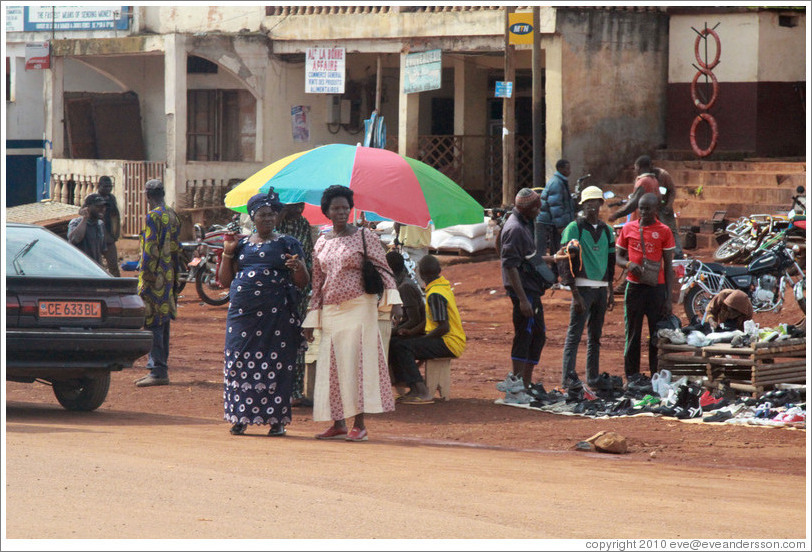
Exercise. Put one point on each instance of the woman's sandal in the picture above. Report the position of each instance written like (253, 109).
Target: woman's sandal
(238, 429)
(277, 430)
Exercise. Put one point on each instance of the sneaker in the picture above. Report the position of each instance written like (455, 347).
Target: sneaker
(237, 429)
(708, 402)
(795, 415)
(151, 381)
(690, 413)
(520, 397)
(511, 384)
(357, 434)
(724, 414)
(333, 433)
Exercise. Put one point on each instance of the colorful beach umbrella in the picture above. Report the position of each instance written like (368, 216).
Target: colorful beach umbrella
(389, 185)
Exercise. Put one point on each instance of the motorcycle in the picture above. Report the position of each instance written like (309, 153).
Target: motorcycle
(764, 281)
(204, 267)
(748, 237)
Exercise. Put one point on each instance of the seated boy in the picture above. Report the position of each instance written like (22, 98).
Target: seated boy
(444, 337)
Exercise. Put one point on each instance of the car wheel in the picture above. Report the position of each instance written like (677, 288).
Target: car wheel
(84, 394)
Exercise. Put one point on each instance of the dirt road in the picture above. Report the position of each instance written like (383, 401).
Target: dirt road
(119, 474)
(159, 462)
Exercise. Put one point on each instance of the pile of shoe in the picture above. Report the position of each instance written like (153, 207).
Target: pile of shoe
(638, 386)
(608, 387)
(685, 404)
(514, 390)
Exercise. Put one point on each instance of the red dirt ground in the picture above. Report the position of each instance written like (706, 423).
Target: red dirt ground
(470, 417)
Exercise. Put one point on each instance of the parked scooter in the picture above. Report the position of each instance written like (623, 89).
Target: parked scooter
(764, 280)
(205, 266)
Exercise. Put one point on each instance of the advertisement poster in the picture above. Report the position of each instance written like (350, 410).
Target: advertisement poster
(37, 55)
(300, 123)
(423, 71)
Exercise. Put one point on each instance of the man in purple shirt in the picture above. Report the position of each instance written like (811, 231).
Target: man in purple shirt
(523, 285)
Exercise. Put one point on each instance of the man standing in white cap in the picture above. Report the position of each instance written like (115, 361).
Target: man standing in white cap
(592, 293)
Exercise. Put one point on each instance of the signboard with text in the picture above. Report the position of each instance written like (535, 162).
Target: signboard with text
(324, 70)
(67, 18)
(520, 28)
(504, 89)
(423, 71)
(37, 55)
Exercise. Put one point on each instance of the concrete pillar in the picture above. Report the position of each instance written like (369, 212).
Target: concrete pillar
(175, 109)
(554, 95)
(470, 120)
(408, 115)
(53, 92)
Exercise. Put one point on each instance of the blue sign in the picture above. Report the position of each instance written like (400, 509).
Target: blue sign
(76, 18)
(504, 89)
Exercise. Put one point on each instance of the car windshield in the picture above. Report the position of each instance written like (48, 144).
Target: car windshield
(32, 251)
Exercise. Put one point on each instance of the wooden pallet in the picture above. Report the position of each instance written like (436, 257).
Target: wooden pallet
(681, 360)
(758, 367)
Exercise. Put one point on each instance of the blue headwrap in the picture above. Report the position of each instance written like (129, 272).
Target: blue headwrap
(271, 199)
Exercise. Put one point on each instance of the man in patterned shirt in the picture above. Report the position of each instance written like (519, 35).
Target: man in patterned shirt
(157, 280)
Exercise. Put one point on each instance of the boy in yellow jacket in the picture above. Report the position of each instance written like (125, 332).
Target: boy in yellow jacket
(444, 337)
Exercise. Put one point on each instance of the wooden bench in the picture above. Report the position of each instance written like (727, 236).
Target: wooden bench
(438, 377)
(681, 359)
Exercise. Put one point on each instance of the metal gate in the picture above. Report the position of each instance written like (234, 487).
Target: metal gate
(136, 174)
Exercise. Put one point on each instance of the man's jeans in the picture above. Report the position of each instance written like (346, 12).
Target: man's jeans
(548, 241)
(159, 354)
(595, 301)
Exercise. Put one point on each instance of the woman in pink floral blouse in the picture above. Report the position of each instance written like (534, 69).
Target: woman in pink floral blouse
(352, 377)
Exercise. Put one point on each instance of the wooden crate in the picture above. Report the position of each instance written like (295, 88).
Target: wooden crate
(681, 360)
(758, 367)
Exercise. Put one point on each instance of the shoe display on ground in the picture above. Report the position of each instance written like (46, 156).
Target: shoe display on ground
(237, 429)
(710, 402)
(520, 397)
(725, 413)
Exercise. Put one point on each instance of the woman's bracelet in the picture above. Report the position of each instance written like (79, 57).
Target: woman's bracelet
(228, 256)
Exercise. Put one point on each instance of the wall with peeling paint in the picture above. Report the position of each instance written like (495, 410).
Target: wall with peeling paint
(614, 67)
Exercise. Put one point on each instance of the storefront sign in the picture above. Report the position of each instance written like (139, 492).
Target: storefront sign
(324, 71)
(37, 55)
(75, 18)
(423, 71)
(14, 18)
(504, 89)
(520, 28)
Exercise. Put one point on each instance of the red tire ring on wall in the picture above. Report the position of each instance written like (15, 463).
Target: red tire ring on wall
(704, 34)
(714, 134)
(714, 82)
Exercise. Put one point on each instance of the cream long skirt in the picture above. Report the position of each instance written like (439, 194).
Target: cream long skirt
(351, 372)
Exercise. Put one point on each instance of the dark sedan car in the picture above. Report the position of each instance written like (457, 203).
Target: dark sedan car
(68, 322)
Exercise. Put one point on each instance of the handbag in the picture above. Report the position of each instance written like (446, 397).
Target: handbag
(371, 278)
(650, 269)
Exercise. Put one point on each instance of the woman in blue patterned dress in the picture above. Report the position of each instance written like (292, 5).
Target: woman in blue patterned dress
(266, 272)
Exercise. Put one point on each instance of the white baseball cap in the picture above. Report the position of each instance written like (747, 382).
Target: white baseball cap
(591, 192)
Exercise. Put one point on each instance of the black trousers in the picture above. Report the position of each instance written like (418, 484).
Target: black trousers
(405, 352)
(642, 300)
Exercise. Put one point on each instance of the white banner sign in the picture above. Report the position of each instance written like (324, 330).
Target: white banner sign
(324, 71)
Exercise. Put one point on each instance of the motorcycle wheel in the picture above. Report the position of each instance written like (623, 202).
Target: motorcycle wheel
(207, 288)
(729, 250)
(800, 295)
(695, 302)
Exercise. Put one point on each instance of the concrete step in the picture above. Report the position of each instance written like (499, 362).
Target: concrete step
(739, 194)
(705, 211)
(788, 167)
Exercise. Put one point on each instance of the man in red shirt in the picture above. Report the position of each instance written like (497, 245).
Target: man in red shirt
(653, 302)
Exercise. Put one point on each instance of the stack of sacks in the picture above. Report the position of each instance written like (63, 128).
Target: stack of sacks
(386, 231)
(467, 237)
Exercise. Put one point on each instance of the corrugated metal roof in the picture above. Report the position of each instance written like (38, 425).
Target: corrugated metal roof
(42, 212)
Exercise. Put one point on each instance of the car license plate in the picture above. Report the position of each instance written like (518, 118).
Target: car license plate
(69, 309)
(195, 261)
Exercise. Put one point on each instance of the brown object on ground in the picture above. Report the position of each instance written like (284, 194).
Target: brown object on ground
(611, 442)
